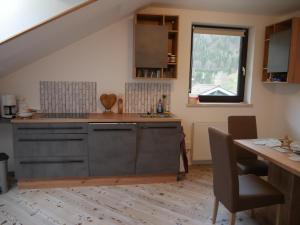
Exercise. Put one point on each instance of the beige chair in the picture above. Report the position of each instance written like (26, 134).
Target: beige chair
(237, 192)
(244, 127)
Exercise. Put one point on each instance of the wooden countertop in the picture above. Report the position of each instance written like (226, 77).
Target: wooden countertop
(97, 118)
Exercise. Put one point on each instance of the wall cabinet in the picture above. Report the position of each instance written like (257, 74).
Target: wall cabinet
(156, 46)
(158, 148)
(112, 149)
(282, 52)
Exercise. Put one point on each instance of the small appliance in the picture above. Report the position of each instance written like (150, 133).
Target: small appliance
(8, 106)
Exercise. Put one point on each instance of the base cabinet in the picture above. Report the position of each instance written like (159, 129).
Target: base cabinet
(158, 148)
(97, 149)
(50, 150)
(112, 149)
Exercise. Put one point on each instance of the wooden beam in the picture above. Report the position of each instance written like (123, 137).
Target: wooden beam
(66, 12)
(96, 181)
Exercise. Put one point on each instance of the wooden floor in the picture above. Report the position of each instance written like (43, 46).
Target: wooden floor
(188, 202)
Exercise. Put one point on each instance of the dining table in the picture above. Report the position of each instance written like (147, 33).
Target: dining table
(284, 174)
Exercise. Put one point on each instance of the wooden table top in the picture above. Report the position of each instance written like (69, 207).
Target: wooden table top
(271, 155)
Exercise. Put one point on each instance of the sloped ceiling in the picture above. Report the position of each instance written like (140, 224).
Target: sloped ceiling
(61, 32)
(262, 7)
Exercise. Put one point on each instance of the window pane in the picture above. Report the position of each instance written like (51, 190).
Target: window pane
(215, 64)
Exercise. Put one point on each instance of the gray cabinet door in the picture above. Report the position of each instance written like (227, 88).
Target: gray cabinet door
(158, 148)
(112, 149)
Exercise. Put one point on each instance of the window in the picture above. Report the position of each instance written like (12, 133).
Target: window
(218, 63)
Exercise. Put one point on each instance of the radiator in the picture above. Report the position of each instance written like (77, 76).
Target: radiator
(200, 140)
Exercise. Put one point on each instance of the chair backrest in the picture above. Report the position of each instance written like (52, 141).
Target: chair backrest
(225, 174)
(242, 127)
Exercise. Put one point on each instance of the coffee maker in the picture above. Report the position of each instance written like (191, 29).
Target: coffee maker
(8, 106)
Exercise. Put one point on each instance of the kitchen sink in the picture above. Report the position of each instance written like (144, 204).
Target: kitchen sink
(156, 115)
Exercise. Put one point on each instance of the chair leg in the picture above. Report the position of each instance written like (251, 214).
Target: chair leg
(232, 218)
(278, 214)
(215, 210)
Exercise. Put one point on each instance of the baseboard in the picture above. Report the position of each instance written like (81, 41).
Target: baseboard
(96, 181)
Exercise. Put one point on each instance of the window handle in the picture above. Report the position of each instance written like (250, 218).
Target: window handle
(244, 71)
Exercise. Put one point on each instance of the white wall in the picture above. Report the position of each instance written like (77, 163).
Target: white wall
(19, 15)
(106, 57)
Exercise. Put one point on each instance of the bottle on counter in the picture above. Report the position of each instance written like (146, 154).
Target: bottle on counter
(160, 107)
(120, 105)
(165, 105)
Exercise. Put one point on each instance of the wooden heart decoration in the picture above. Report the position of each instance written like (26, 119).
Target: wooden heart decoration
(108, 101)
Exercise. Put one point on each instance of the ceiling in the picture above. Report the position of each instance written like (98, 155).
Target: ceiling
(263, 7)
(72, 27)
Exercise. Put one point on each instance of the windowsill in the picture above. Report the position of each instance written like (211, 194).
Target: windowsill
(220, 104)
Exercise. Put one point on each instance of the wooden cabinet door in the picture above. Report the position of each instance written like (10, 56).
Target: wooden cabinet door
(294, 63)
(151, 46)
(158, 148)
(112, 149)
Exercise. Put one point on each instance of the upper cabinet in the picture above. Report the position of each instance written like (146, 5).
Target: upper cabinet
(282, 52)
(155, 44)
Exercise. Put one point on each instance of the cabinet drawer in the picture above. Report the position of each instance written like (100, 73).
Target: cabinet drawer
(52, 128)
(51, 167)
(36, 145)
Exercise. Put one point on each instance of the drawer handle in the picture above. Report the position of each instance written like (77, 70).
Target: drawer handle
(50, 128)
(115, 129)
(51, 140)
(51, 162)
(157, 127)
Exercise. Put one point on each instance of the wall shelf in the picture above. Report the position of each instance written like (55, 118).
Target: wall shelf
(166, 70)
(293, 73)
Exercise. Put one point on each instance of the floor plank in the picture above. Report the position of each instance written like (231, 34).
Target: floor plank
(187, 202)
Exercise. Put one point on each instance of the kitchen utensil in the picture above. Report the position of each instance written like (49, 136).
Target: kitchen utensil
(24, 114)
(9, 106)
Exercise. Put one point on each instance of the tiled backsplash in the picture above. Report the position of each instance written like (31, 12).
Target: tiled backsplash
(68, 97)
(142, 97)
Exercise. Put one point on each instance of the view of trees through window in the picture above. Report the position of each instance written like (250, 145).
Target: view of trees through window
(215, 64)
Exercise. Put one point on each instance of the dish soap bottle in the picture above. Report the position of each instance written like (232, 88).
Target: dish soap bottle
(160, 107)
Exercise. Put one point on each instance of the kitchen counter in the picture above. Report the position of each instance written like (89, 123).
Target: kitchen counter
(95, 146)
(96, 118)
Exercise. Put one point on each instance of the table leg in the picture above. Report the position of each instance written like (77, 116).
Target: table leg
(289, 185)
